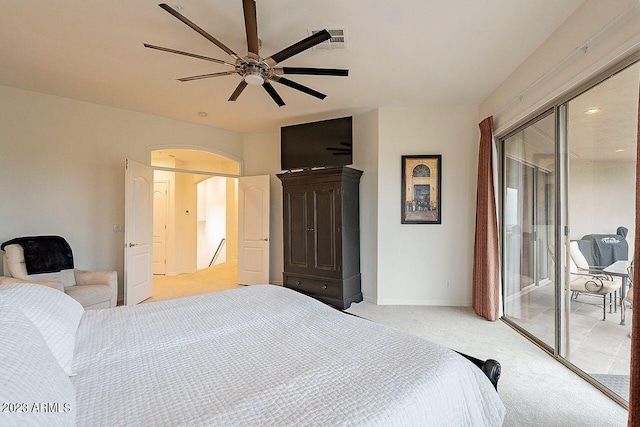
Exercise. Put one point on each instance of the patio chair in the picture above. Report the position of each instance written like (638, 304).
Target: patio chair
(585, 280)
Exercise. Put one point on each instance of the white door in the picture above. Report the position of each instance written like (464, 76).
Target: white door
(160, 213)
(138, 260)
(253, 230)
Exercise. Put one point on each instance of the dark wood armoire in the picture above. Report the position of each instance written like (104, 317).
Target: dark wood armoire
(322, 234)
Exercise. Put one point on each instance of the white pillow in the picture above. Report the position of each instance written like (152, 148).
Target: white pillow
(55, 314)
(34, 390)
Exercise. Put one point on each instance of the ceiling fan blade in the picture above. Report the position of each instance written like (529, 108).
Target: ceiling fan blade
(236, 93)
(296, 48)
(251, 26)
(206, 76)
(313, 71)
(199, 30)
(272, 93)
(192, 55)
(299, 87)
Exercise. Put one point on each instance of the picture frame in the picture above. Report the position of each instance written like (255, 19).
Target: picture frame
(421, 189)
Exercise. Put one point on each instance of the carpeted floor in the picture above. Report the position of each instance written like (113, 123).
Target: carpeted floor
(217, 278)
(536, 389)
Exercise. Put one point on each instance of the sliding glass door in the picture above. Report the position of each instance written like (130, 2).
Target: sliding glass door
(568, 216)
(601, 139)
(529, 196)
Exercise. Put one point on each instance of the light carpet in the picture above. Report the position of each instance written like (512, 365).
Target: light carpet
(216, 278)
(536, 389)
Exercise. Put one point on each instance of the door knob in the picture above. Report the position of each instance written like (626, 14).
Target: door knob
(310, 229)
(266, 239)
(132, 245)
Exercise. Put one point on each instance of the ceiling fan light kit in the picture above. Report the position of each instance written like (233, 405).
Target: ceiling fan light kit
(253, 69)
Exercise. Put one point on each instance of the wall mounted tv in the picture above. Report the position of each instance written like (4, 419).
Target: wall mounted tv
(319, 144)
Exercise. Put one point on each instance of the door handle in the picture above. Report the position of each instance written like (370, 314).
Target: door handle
(266, 239)
(132, 245)
(310, 229)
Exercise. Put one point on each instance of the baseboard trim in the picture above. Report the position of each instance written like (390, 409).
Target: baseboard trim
(437, 303)
(369, 300)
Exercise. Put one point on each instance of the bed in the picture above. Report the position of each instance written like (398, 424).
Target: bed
(255, 356)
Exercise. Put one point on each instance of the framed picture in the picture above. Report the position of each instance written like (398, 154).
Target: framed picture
(421, 189)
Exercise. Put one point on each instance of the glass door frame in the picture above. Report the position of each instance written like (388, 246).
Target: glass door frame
(557, 106)
(501, 206)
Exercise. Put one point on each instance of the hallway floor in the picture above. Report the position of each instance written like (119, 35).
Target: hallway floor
(216, 278)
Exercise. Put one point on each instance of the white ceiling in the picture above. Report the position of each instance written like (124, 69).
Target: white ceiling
(610, 134)
(410, 53)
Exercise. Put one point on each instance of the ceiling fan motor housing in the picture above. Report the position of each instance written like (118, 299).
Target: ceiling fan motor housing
(253, 72)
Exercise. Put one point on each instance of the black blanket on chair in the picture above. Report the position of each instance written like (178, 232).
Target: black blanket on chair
(44, 254)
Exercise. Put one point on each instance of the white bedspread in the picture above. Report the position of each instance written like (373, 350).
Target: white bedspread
(267, 356)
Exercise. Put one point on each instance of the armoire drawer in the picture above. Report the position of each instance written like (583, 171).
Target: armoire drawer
(316, 287)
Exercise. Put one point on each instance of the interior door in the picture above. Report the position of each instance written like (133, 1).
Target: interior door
(138, 259)
(160, 211)
(253, 230)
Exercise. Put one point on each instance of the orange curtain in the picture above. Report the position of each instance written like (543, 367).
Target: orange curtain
(634, 387)
(486, 283)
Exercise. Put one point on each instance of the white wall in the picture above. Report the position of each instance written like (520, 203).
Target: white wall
(365, 158)
(186, 223)
(212, 219)
(417, 263)
(602, 198)
(62, 168)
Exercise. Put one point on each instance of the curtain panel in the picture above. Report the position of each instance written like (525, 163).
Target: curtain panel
(634, 387)
(486, 272)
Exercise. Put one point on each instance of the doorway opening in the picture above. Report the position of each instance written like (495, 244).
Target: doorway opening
(195, 222)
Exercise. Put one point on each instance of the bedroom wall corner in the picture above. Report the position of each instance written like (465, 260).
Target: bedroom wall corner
(365, 158)
(427, 264)
(262, 157)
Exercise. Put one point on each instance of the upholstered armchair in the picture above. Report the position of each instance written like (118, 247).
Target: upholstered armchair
(92, 289)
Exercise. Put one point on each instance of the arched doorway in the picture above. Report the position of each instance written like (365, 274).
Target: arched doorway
(195, 217)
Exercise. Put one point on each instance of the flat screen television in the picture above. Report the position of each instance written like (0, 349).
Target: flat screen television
(319, 144)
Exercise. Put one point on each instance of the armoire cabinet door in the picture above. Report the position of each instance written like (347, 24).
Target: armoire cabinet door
(324, 222)
(296, 234)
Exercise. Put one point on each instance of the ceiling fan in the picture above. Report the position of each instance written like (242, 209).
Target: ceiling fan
(253, 69)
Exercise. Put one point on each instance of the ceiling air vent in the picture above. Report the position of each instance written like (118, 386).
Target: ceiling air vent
(337, 40)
